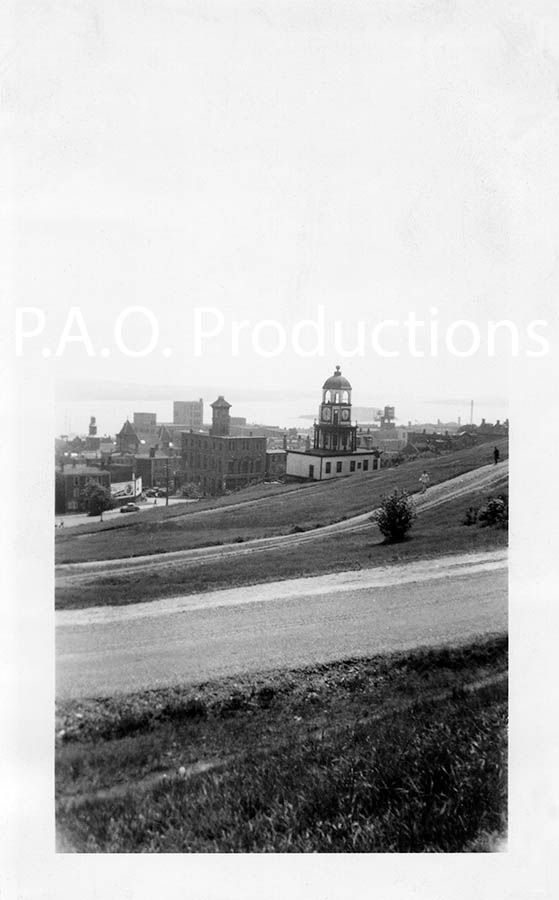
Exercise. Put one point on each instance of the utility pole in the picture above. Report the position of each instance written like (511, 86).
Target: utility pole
(167, 482)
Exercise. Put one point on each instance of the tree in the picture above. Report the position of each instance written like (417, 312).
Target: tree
(395, 515)
(96, 499)
(495, 513)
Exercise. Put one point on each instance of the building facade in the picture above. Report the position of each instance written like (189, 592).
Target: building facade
(218, 461)
(275, 463)
(334, 452)
(189, 413)
(69, 485)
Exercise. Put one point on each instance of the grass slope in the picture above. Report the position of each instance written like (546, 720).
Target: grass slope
(276, 511)
(436, 532)
(415, 761)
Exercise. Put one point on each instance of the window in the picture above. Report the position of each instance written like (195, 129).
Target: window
(328, 468)
(365, 465)
(352, 465)
(358, 465)
(339, 466)
(311, 471)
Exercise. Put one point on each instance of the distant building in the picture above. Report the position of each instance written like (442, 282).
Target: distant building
(276, 461)
(158, 468)
(143, 435)
(218, 461)
(70, 482)
(82, 449)
(434, 440)
(189, 413)
(145, 420)
(334, 452)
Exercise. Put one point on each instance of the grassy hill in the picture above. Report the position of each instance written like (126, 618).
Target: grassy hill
(399, 754)
(436, 532)
(263, 512)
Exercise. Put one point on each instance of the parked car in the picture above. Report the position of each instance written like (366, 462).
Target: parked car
(130, 507)
(151, 493)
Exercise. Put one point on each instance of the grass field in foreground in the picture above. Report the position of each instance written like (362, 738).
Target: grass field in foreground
(405, 753)
(275, 514)
(436, 532)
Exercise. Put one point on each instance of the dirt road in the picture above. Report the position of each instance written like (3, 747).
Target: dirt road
(107, 650)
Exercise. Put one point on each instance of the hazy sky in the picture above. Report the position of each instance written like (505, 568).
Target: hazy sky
(271, 159)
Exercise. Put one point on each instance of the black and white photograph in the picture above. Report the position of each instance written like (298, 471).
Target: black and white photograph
(281, 289)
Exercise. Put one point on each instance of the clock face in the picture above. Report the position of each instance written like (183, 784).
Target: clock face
(326, 413)
(345, 414)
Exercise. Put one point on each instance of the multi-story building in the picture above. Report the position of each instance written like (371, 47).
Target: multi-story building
(189, 413)
(334, 452)
(70, 482)
(275, 463)
(158, 468)
(218, 461)
(145, 420)
(143, 435)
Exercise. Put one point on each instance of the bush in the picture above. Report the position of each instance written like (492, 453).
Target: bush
(395, 515)
(191, 491)
(471, 515)
(495, 513)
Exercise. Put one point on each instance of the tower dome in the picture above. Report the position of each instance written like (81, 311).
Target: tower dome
(336, 382)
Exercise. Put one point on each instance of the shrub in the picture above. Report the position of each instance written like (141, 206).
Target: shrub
(395, 515)
(495, 513)
(191, 491)
(471, 515)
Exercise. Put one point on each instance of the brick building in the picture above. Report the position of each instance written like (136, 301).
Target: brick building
(70, 482)
(218, 461)
(159, 469)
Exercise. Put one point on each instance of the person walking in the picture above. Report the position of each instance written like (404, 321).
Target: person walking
(424, 481)
(496, 455)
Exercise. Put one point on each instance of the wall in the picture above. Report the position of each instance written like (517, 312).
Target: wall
(297, 464)
(217, 463)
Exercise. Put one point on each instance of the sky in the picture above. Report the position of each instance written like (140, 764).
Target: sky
(215, 163)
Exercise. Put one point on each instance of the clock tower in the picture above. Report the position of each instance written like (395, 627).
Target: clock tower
(334, 431)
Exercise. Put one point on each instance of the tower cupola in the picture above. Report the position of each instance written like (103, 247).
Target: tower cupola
(334, 431)
(221, 420)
